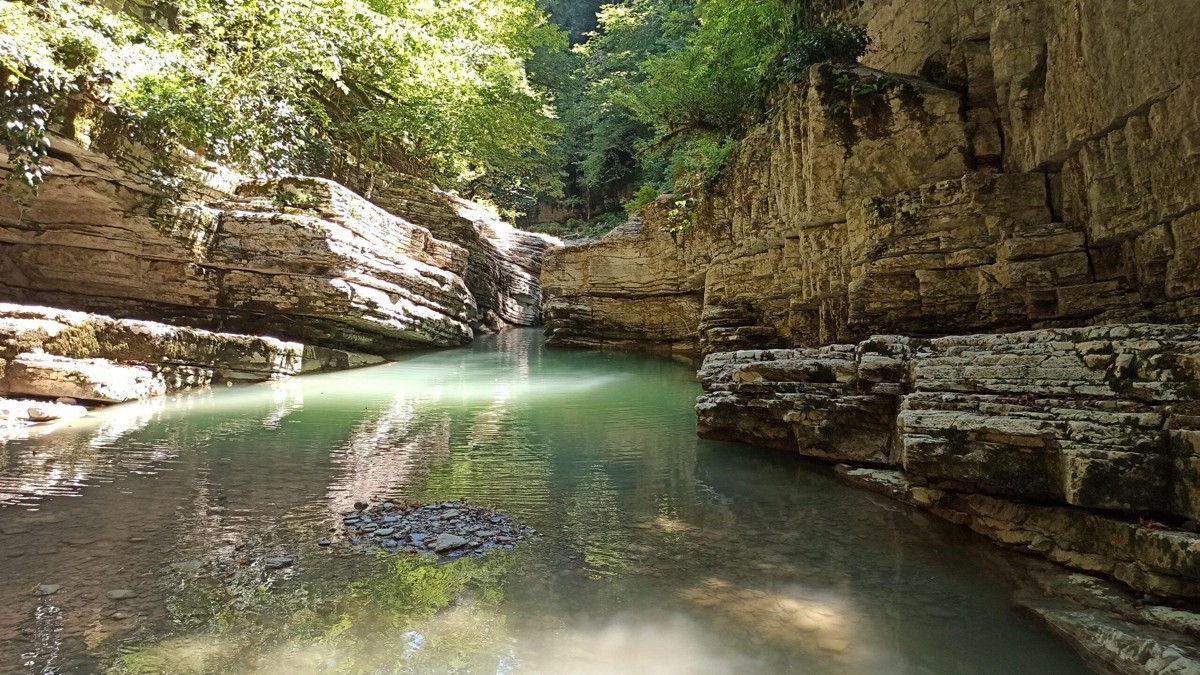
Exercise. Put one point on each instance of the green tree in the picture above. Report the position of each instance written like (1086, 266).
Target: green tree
(335, 87)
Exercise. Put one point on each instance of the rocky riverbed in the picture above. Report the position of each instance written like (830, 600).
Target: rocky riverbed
(449, 529)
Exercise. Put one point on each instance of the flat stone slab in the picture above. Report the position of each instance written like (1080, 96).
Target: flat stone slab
(97, 380)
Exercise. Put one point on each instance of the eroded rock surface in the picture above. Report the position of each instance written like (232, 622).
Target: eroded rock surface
(1007, 165)
(1102, 417)
(51, 360)
(504, 263)
(1078, 445)
(55, 353)
(302, 259)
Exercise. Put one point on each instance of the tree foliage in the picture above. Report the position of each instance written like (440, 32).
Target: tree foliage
(482, 96)
(669, 86)
(437, 87)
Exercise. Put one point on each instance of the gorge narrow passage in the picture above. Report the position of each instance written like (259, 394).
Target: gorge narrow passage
(658, 552)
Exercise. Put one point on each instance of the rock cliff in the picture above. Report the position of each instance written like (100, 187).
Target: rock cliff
(998, 166)
(964, 271)
(195, 271)
(504, 263)
(302, 259)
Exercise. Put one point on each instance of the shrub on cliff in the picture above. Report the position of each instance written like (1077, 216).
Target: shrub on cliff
(673, 84)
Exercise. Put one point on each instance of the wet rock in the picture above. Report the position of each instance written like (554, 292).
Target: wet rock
(452, 529)
(47, 589)
(187, 566)
(279, 562)
(324, 542)
(833, 645)
(121, 594)
(38, 414)
(448, 542)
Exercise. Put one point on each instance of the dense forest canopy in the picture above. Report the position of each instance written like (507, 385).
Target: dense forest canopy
(512, 101)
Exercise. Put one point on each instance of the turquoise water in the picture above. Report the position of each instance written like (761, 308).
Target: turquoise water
(659, 552)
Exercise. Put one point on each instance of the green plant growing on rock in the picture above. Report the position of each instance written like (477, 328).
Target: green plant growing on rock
(645, 195)
(49, 51)
(808, 45)
(296, 199)
(681, 216)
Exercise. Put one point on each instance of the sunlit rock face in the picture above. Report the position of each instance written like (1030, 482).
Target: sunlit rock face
(301, 258)
(760, 259)
(52, 353)
(504, 263)
(1008, 165)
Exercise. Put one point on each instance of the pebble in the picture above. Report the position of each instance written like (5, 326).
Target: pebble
(279, 562)
(324, 542)
(458, 529)
(122, 594)
(46, 589)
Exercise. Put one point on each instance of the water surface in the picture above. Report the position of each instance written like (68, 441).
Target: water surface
(659, 552)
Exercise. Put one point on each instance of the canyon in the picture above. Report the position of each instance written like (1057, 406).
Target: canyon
(962, 271)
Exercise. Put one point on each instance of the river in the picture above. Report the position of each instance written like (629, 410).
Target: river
(658, 552)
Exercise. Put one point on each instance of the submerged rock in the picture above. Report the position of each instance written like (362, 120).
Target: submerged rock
(448, 542)
(452, 529)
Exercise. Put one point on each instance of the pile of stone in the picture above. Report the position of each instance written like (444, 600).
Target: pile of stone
(449, 529)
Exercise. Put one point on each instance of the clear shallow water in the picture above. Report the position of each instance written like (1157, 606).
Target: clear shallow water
(660, 553)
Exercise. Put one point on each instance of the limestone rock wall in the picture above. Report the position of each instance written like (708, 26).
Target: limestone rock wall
(303, 259)
(50, 353)
(1044, 438)
(504, 263)
(996, 166)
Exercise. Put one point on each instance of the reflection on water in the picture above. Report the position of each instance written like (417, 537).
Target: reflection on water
(659, 552)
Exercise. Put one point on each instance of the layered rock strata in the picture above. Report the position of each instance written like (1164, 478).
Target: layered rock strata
(1001, 166)
(54, 362)
(1078, 445)
(302, 259)
(52, 353)
(504, 263)
(1017, 167)
(1101, 418)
